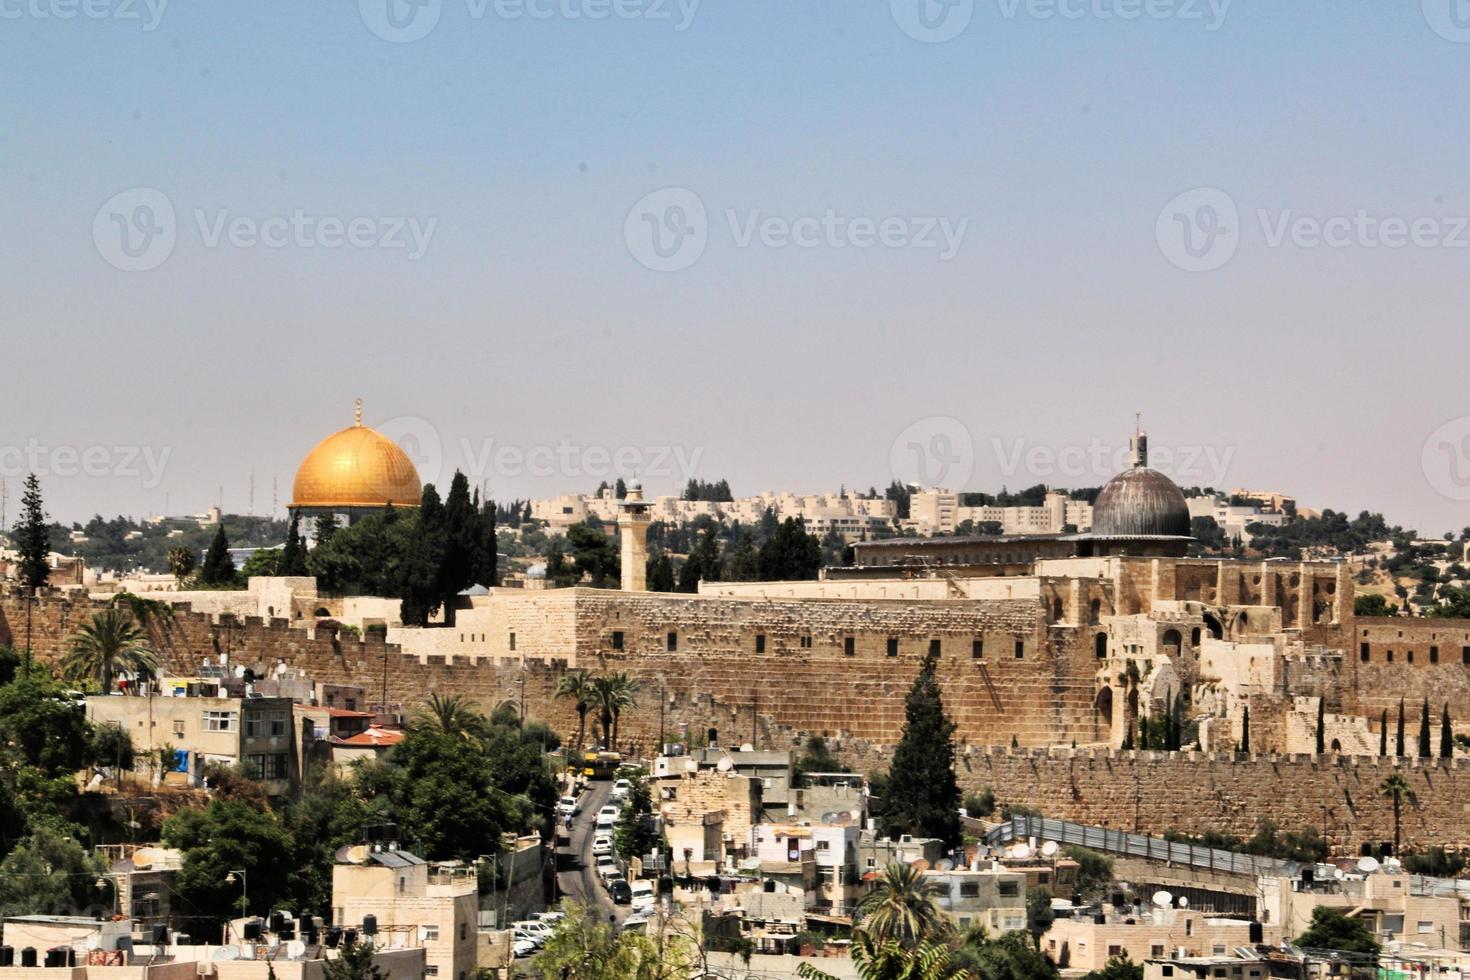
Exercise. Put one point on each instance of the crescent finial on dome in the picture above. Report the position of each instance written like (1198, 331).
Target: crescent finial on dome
(357, 418)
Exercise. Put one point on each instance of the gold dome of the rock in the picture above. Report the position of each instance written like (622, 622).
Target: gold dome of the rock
(356, 467)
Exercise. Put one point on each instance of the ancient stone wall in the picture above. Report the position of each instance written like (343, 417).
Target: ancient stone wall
(1154, 792)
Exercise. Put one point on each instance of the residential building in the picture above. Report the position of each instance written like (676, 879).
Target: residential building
(1085, 944)
(390, 891)
(990, 897)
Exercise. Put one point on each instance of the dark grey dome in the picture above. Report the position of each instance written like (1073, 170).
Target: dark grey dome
(1140, 502)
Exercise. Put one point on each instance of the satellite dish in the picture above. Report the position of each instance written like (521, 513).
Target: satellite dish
(945, 864)
(725, 764)
(1162, 899)
(747, 747)
(225, 953)
(1367, 865)
(1049, 848)
(1021, 851)
(1393, 864)
(1183, 902)
(296, 949)
(830, 817)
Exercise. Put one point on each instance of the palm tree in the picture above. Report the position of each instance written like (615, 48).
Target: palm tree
(1398, 787)
(624, 695)
(890, 960)
(181, 563)
(112, 640)
(453, 715)
(578, 686)
(901, 908)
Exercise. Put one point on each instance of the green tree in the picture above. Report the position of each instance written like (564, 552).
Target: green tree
(817, 758)
(1094, 870)
(111, 641)
(326, 528)
(594, 556)
(585, 947)
(264, 563)
(419, 588)
(1372, 604)
(442, 787)
(1012, 956)
(226, 836)
(49, 874)
(1426, 747)
(635, 835)
(329, 814)
(293, 554)
(577, 687)
(1397, 787)
(461, 541)
(902, 907)
(109, 745)
(181, 562)
(1332, 928)
(660, 572)
(354, 962)
(32, 538)
(791, 554)
(485, 555)
(1039, 914)
(218, 570)
(453, 715)
(923, 797)
(743, 560)
(41, 726)
(1118, 968)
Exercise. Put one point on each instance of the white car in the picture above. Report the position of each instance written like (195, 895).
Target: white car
(523, 936)
(644, 896)
(608, 817)
(602, 844)
(621, 789)
(568, 806)
(534, 929)
(523, 947)
(550, 918)
(604, 862)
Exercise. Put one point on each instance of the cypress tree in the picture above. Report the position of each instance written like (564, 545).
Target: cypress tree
(485, 562)
(32, 539)
(326, 526)
(461, 539)
(1245, 730)
(420, 593)
(1128, 741)
(660, 573)
(1399, 733)
(1383, 734)
(293, 556)
(1426, 748)
(218, 569)
(1321, 725)
(1446, 734)
(923, 797)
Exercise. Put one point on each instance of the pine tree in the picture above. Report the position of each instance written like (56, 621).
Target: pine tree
(32, 540)
(690, 573)
(1321, 726)
(660, 573)
(1446, 734)
(922, 796)
(620, 489)
(293, 555)
(1399, 734)
(1245, 730)
(461, 539)
(485, 563)
(218, 569)
(1383, 734)
(1426, 748)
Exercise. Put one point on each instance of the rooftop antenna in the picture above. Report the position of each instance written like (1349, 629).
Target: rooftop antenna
(250, 507)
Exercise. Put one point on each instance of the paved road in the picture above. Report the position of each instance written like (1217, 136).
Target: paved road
(580, 883)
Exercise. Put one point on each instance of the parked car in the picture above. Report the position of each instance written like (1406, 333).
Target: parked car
(644, 896)
(602, 844)
(619, 890)
(525, 935)
(523, 947)
(604, 863)
(551, 918)
(608, 816)
(621, 789)
(568, 806)
(536, 931)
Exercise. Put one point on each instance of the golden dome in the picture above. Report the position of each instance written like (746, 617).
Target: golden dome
(356, 467)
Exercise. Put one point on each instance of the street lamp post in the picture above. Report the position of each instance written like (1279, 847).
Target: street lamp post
(244, 890)
(102, 882)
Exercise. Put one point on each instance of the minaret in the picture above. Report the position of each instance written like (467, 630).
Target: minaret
(1138, 442)
(633, 524)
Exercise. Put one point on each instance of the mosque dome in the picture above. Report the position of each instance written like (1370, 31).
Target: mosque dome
(1140, 502)
(356, 467)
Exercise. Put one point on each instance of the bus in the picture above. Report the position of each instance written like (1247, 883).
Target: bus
(600, 765)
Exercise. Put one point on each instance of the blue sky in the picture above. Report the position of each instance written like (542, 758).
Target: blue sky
(1052, 140)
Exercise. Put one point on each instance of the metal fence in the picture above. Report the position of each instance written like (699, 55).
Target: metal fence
(1111, 841)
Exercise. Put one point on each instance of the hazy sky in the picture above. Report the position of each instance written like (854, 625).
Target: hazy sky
(796, 244)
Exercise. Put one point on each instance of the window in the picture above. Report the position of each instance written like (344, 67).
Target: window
(431, 934)
(1020, 649)
(893, 646)
(1218, 950)
(617, 639)
(1114, 950)
(1409, 656)
(849, 646)
(272, 723)
(220, 721)
(462, 933)
(1425, 927)
(1156, 951)
(352, 704)
(934, 648)
(1363, 653)
(179, 727)
(823, 845)
(673, 642)
(1009, 889)
(431, 971)
(977, 649)
(806, 641)
(969, 889)
(1434, 655)
(1465, 655)
(1167, 970)
(1388, 656)
(512, 641)
(271, 765)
